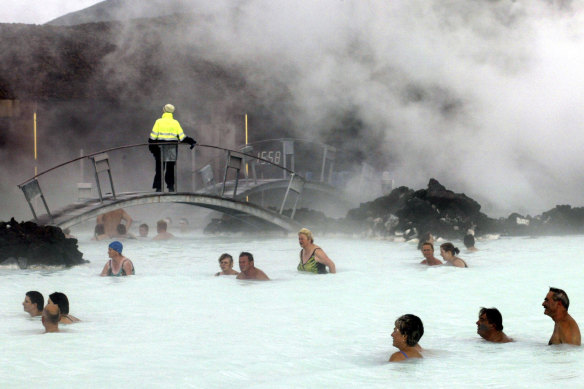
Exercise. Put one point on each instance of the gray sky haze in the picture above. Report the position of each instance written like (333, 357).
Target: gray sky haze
(39, 11)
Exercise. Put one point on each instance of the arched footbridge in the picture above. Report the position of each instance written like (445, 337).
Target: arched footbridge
(252, 189)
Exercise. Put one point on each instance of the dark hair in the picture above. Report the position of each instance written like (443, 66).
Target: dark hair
(424, 238)
(469, 241)
(560, 295)
(493, 316)
(225, 255)
(36, 298)
(248, 255)
(450, 247)
(61, 300)
(121, 229)
(412, 327)
(99, 229)
(427, 244)
(144, 225)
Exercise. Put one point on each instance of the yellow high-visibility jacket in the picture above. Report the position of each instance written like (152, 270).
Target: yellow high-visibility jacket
(167, 129)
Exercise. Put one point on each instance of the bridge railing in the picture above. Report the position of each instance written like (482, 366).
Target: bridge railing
(316, 160)
(120, 171)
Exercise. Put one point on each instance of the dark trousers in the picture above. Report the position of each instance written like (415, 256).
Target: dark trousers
(168, 176)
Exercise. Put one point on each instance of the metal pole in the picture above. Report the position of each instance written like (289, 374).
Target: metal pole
(246, 164)
(35, 139)
(81, 166)
(323, 163)
(193, 167)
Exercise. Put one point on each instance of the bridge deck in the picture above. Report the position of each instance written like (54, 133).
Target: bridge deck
(252, 214)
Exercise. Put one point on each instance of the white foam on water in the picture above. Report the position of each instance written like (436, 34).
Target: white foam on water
(176, 325)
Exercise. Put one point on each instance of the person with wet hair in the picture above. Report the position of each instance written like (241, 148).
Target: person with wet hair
(490, 326)
(248, 269)
(226, 265)
(448, 252)
(406, 334)
(469, 243)
(143, 230)
(313, 259)
(33, 303)
(123, 233)
(161, 227)
(62, 301)
(428, 253)
(50, 318)
(566, 330)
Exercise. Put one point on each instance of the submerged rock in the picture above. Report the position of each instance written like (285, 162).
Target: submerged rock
(28, 244)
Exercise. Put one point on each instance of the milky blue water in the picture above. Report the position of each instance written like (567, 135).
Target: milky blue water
(175, 325)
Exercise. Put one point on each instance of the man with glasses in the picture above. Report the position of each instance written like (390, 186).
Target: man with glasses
(566, 329)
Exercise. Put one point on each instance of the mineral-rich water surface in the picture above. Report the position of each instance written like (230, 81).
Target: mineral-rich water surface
(176, 325)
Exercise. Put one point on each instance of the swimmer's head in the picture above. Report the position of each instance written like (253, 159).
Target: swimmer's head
(412, 327)
(469, 241)
(116, 246)
(51, 314)
(560, 295)
(493, 316)
(450, 248)
(36, 298)
(143, 230)
(427, 244)
(306, 232)
(224, 256)
(161, 226)
(61, 300)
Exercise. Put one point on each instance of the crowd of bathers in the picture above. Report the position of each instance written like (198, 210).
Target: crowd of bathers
(408, 329)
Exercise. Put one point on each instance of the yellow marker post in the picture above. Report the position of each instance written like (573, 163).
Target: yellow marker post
(246, 129)
(34, 116)
(246, 164)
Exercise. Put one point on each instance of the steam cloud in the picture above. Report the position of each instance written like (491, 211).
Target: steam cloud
(482, 95)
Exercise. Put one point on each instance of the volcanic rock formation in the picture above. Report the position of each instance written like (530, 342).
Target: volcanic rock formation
(27, 244)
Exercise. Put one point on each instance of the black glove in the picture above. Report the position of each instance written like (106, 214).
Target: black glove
(190, 141)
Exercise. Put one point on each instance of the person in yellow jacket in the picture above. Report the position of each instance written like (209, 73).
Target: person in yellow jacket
(166, 129)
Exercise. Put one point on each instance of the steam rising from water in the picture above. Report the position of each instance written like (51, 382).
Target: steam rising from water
(484, 96)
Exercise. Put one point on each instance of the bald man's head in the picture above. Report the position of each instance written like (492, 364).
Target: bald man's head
(52, 313)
